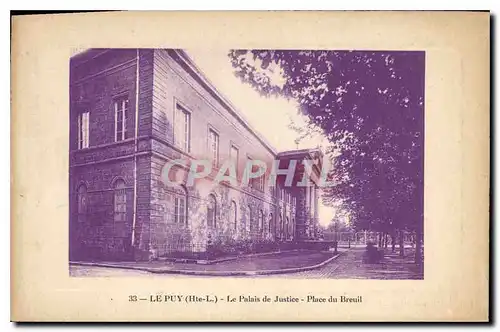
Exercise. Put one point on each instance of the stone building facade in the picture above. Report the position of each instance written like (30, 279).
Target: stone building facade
(134, 110)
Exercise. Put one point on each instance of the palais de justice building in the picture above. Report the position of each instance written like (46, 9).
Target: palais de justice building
(132, 111)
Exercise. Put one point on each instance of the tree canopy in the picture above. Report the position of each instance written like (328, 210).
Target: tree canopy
(370, 107)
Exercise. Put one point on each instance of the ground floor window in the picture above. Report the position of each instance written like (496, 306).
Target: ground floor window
(261, 221)
(233, 215)
(82, 203)
(212, 211)
(120, 202)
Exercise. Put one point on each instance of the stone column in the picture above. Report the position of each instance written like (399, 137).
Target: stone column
(307, 220)
(316, 212)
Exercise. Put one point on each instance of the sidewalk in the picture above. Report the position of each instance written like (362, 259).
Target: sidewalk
(351, 266)
(286, 262)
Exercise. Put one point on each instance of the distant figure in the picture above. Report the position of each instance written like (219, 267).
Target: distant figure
(372, 254)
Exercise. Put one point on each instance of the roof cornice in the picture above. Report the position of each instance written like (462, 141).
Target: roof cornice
(184, 57)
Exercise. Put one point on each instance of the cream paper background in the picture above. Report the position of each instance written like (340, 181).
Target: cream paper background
(455, 286)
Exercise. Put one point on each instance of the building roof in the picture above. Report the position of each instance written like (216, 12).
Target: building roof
(299, 152)
(235, 112)
(223, 100)
(181, 55)
(85, 55)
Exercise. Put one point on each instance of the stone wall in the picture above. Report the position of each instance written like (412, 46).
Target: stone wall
(95, 82)
(164, 80)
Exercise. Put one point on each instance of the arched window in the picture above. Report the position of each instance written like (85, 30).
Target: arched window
(211, 211)
(261, 221)
(180, 206)
(82, 203)
(233, 215)
(120, 202)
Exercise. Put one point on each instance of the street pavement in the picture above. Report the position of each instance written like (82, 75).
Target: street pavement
(348, 266)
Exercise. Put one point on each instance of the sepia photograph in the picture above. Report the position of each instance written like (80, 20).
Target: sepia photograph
(316, 173)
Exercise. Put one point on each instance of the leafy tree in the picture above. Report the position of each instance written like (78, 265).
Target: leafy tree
(369, 105)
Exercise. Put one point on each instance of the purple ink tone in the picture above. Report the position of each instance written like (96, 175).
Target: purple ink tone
(121, 208)
(134, 110)
(370, 106)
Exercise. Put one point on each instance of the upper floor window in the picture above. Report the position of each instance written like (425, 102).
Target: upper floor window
(213, 145)
(280, 227)
(182, 128)
(234, 155)
(83, 130)
(258, 182)
(249, 164)
(121, 110)
(261, 181)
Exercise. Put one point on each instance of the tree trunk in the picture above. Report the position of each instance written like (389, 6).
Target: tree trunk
(380, 239)
(401, 244)
(418, 246)
(393, 241)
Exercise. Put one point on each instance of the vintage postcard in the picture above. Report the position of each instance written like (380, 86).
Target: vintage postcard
(211, 167)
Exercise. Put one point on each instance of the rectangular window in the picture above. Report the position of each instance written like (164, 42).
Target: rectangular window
(213, 145)
(247, 165)
(234, 155)
(180, 210)
(212, 211)
(258, 182)
(121, 110)
(182, 128)
(120, 205)
(261, 181)
(82, 203)
(83, 130)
